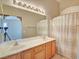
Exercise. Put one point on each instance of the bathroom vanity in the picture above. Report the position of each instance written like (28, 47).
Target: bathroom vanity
(38, 49)
(26, 30)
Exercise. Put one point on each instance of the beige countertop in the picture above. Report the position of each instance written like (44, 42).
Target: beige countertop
(24, 44)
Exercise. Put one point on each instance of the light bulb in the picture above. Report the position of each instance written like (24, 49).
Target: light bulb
(5, 24)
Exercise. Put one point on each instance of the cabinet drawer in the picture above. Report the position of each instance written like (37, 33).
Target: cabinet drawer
(39, 48)
(40, 55)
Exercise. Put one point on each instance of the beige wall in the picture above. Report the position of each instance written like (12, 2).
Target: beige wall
(29, 19)
(67, 3)
(51, 7)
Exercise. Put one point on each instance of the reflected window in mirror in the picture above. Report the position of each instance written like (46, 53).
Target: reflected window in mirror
(10, 28)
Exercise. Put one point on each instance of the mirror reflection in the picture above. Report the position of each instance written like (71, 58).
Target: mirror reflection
(10, 28)
(22, 24)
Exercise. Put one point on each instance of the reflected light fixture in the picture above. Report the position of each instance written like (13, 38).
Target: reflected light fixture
(29, 6)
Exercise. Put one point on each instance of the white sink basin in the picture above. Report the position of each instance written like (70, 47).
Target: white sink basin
(7, 45)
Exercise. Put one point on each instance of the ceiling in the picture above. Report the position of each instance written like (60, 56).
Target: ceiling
(50, 6)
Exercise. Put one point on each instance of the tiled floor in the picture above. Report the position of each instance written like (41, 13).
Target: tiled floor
(58, 57)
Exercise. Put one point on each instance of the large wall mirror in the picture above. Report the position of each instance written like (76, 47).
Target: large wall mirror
(20, 24)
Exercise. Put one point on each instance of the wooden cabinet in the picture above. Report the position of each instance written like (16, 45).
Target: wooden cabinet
(27, 54)
(53, 48)
(44, 51)
(16, 56)
(48, 50)
(39, 52)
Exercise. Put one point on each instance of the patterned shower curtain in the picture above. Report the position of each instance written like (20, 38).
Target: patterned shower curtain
(65, 29)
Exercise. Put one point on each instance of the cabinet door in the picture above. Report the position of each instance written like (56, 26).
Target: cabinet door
(48, 50)
(40, 55)
(16, 56)
(27, 54)
(53, 48)
(39, 52)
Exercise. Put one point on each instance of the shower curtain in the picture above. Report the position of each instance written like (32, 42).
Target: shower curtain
(65, 29)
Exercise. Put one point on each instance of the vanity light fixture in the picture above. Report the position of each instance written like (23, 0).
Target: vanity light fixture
(28, 6)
